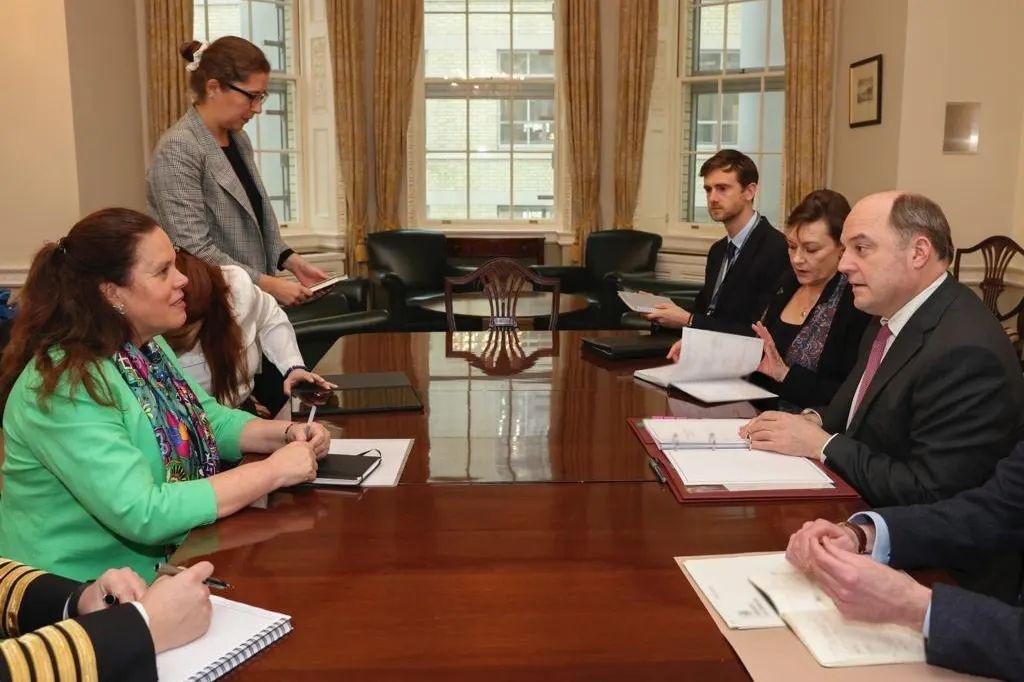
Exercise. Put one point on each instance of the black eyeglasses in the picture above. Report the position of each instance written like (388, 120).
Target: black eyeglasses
(254, 97)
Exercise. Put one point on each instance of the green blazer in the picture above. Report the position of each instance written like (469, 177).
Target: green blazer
(84, 488)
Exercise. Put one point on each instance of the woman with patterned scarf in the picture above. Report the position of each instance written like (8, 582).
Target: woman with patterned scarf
(111, 453)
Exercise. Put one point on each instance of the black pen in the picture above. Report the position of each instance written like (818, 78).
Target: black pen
(169, 569)
(656, 468)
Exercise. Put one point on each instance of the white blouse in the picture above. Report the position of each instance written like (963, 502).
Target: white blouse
(265, 330)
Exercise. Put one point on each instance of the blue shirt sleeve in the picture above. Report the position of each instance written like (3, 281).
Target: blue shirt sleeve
(882, 548)
(927, 620)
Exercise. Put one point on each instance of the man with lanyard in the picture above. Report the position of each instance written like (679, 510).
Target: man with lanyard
(743, 267)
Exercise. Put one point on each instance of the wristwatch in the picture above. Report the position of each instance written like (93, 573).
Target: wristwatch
(862, 537)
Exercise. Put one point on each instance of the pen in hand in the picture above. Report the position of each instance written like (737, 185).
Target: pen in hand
(170, 569)
(312, 414)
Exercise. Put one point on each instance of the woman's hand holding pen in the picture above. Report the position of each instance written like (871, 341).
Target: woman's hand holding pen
(293, 464)
(772, 364)
(316, 435)
(115, 585)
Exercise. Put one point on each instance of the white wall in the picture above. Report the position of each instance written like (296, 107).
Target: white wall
(38, 174)
(936, 51)
(865, 160)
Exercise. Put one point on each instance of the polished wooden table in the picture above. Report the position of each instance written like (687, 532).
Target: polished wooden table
(527, 541)
(530, 304)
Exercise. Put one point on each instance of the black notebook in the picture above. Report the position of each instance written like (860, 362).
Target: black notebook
(346, 469)
(355, 394)
(622, 347)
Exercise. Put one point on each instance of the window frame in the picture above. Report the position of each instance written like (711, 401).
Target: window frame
(686, 49)
(554, 228)
(292, 78)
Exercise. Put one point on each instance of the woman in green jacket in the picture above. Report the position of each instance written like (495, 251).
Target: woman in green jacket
(111, 453)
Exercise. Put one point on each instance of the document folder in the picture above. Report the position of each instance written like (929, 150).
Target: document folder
(710, 493)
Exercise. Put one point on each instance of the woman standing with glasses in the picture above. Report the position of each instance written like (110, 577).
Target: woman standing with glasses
(203, 185)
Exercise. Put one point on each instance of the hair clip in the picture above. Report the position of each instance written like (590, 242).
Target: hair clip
(196, 57)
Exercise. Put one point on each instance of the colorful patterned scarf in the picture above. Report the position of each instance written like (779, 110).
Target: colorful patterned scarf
(810, 341)
(182, 430)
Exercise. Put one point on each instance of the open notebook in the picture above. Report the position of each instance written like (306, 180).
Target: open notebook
(237, 633)
(711, 366)
(751, 591)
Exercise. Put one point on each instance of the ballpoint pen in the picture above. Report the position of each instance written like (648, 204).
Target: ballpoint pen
(170, 569)
(312, 413)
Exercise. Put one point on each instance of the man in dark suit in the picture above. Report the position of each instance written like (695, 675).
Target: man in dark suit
(963, 630)
(937, 396)
(742, 268)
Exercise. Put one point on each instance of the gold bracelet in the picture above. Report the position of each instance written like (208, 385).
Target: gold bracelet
(862, 537)
(286, 430)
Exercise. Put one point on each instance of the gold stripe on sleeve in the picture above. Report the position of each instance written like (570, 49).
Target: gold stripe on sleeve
(17, 664)
(83, 647)
(4, 571)
(41, 664)
(61, 648)
(11, 615)
(14, 601)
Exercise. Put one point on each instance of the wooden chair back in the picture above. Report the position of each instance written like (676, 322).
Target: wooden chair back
(502, 280)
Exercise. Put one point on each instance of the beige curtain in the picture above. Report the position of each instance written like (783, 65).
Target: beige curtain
(638, 46)
(345, 31)
(399, 36)
(808, 29)
(168, 25)
(582, 73)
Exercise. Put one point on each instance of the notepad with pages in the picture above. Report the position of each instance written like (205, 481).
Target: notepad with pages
(237, 633)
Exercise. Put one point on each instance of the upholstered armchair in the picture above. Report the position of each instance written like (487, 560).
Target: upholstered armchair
(408, 267)
(610, 255)
(320, 323)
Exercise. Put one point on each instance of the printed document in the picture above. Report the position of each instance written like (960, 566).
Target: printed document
(710, 367)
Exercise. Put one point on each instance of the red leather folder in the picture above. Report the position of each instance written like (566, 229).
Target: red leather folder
(712, 493)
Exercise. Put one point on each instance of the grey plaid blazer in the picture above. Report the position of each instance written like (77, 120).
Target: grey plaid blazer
(193, 192)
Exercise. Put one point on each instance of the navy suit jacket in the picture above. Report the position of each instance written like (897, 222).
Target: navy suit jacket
(748, 284)
(968, 631)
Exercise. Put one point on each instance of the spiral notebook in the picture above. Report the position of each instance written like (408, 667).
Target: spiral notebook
(237, 633)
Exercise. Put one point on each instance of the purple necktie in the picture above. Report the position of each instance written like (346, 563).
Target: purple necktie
(874, 360)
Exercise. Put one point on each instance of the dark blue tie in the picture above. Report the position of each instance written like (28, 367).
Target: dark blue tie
(730, 254)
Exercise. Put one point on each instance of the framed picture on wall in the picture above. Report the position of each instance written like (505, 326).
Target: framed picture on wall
(866, 92)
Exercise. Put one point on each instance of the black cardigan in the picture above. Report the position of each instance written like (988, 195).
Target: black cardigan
(802, 386)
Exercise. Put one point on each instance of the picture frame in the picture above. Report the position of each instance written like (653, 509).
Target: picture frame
(866, 92)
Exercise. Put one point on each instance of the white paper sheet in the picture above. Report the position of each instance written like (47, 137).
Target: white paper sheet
(725, 581)
(394, 453)
(724, 467)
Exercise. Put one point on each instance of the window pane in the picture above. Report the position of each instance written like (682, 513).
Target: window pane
(446, 186)
(533, 183)
(446, 124)
(747, 33)
(533, 33)
(270, 31)
(705, 104)
(532, 6)
(489, 183)
(709, 38)
(774, 117)
(444, 44)
(488, 35)
(744, 107)
(224, 19)
(693, 204)
(769, 193)
(483, 123)
(443, 6)
(279, 172)
(776, 48)
(275, 127)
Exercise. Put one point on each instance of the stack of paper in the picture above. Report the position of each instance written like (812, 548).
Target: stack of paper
(710, 367)
(710, 452)
(765, 591)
